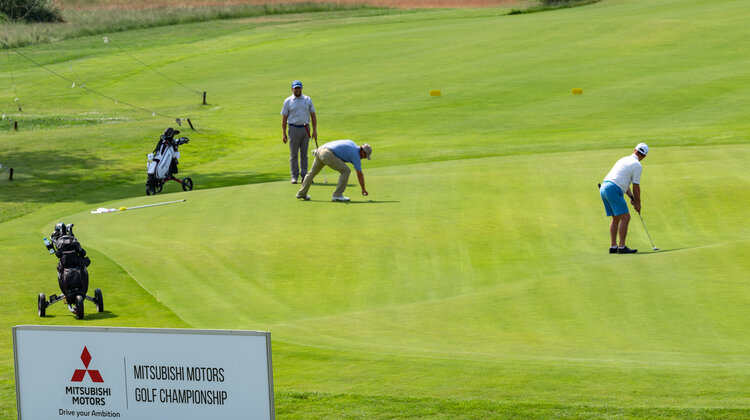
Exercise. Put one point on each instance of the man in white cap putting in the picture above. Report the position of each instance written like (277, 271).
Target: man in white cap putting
(336, 154)
(626, 171)
(297, 112)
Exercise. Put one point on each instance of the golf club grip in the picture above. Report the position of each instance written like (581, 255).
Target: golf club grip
(307, 128)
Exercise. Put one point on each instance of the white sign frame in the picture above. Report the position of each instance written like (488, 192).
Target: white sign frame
(182, 340)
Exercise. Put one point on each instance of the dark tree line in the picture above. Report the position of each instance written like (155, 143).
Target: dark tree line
(30, 11)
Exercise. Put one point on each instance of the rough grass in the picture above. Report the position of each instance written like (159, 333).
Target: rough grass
(91, 17)
(93, 21)
(552, 5)
(403, 4)
(32, 121)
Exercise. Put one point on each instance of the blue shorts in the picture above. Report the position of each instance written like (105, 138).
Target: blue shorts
(614, 202)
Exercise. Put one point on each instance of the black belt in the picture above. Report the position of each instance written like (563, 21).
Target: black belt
(298, 125)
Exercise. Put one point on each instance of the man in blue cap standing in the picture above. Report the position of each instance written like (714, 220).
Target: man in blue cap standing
(297, 112)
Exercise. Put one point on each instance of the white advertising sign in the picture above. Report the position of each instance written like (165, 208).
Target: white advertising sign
(142, 373)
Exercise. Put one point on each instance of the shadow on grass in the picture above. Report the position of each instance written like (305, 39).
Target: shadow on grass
(324, 184)
(57, 176)
(229, 179)
(352, 202)
(331, 184)
(98, 315)
(662, 251)
(204, 181)
(45, 177)
(86, 316)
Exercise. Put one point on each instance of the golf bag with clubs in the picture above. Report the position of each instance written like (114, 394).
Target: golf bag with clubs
(162, 163)
(72, 273)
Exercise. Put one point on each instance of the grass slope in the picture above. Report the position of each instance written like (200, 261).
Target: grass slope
(467, 288)
(474, 284)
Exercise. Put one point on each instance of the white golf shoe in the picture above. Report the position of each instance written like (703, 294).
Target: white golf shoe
(341, 199)
(306, 197)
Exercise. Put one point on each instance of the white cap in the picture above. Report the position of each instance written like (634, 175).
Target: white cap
(642, 148)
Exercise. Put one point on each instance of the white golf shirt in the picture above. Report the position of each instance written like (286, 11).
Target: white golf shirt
(297, 110)
(625, 171)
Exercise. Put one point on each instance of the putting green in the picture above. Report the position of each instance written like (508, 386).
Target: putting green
(492, 262)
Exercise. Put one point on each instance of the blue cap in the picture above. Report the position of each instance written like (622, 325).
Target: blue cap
(296, 83)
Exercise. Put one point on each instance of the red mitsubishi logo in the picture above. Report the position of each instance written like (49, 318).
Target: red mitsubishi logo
(79, 374)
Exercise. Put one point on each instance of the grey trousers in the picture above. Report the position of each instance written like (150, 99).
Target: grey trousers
(325, 157)
(298, 143)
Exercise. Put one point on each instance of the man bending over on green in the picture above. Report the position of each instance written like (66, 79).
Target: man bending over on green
(336, 154)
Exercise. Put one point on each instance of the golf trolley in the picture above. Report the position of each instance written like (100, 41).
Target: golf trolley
(73, 300)
(72, 274)
(162, 163)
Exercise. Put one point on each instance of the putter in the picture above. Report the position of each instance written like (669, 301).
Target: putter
(307, 128)
(649, 236)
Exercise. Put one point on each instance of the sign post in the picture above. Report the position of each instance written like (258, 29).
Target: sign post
(142, 373)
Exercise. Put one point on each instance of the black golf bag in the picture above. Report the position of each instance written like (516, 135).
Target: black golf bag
(72, 274)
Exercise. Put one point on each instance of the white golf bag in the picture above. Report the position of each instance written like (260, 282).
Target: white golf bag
(162, 163)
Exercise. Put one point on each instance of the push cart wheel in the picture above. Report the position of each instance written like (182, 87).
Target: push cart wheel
(79, 307)
(159, 188)
(41, 304)
(99, 300)
(150, 190)
(187, 184)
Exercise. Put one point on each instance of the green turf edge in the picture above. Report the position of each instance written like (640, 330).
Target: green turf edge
(315, 405)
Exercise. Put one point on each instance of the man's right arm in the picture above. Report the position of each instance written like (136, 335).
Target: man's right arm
(283, 127)
(361, 179)
(637, 197)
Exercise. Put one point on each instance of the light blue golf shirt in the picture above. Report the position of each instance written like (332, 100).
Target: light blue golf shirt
(346, 150)
(298, 109)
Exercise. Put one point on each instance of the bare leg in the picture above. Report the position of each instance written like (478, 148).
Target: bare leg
(613, 231)
(619, 225)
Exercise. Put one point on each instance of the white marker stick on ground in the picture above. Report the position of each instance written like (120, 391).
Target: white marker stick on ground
(106, 210)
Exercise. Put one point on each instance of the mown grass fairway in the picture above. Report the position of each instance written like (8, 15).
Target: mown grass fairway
(474, 281)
